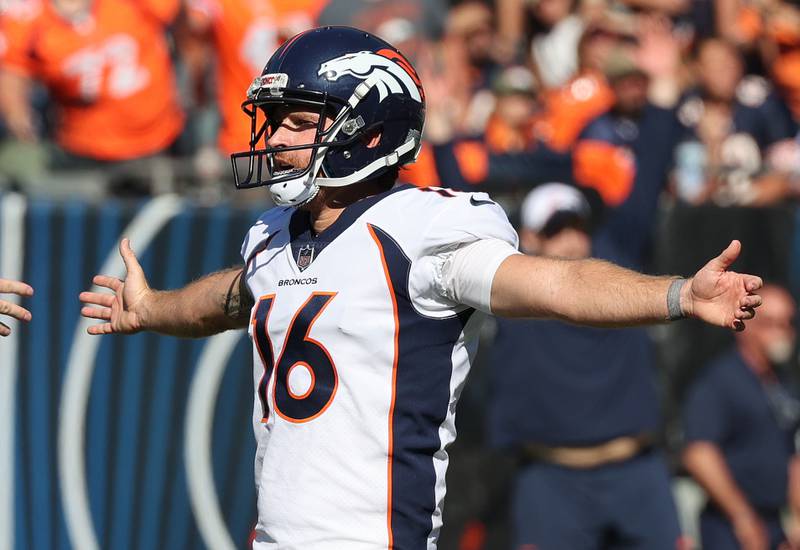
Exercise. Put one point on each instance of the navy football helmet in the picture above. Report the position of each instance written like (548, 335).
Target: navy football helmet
(360, 82)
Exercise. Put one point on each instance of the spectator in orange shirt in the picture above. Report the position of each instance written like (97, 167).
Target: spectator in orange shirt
(569, 108)
(510, 127)
(106, 66)
(240, 36)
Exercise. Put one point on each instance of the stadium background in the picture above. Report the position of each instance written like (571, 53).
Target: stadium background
(145, 441)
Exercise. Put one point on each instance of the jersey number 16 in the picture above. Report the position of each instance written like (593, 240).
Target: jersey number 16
(299, 351)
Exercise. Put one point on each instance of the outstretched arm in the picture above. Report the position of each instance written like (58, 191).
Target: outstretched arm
(598, 293)
(215, 303)
(11, 309)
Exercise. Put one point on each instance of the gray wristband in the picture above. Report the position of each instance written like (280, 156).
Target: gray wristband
(674, 311)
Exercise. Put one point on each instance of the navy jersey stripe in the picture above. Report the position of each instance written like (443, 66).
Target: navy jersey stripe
(421, 396)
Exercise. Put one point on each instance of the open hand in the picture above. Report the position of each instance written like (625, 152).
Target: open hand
(124, 310)
(11, 309)
(721, 297)
(659, 53)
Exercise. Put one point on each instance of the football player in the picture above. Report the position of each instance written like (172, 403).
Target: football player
(11, 309)
(364, 299)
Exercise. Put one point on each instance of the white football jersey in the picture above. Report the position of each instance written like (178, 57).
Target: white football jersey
(360, 358)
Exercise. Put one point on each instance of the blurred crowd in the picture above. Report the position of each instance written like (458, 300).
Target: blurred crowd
(562, 86)
(624, 102)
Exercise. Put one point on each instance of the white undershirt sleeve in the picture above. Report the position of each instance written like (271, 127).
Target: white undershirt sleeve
(467, 273)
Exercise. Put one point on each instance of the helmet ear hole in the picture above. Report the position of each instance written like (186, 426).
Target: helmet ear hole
(372, 138)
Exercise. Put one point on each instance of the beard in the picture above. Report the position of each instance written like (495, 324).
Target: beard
(290, 161)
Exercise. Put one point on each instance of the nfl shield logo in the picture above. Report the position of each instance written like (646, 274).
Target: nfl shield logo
(305, 256)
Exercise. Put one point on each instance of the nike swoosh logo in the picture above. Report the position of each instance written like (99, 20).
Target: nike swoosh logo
(475, 202)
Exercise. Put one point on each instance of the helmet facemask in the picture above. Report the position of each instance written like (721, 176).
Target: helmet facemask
(346, 135)
(363, 89)
(261, 165)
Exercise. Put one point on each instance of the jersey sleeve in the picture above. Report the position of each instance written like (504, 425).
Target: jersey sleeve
(263, 232)
(467, 274)
(16, 34)
(463, 247)
(253, 240)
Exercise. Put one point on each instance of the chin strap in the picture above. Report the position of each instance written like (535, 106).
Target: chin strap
(389, 160)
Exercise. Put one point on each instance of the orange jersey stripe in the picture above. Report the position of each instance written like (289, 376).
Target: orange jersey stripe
(394, 385)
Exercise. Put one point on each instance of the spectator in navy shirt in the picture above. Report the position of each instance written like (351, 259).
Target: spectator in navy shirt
(738, 145)
(741, 422)
(579, 406)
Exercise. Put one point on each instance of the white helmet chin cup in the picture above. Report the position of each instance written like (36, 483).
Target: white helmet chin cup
(294, 192)
(298, 191)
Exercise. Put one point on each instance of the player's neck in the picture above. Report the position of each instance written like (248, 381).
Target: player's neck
(323, 216)
(330, 202)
